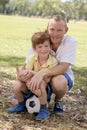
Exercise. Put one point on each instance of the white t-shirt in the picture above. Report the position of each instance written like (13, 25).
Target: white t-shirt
(66, 52)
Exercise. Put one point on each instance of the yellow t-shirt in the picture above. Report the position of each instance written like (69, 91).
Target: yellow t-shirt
(33, 63)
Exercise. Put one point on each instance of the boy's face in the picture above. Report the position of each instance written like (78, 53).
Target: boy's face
(43, 49)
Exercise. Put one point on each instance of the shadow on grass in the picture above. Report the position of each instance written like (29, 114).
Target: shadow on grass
(80, 77)
(11, 61)
(8, 62)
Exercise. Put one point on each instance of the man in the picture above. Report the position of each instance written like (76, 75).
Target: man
(64, 49)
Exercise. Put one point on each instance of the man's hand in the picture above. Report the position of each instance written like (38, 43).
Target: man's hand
(36, 80)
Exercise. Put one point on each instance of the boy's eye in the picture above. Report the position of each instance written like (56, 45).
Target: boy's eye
(46, 46)
(39, 46)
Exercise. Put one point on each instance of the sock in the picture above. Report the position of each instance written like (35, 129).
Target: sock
(22, 103)
(44, 106)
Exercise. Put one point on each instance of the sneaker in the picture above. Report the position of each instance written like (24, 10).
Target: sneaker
(42, 115)
(17, 108)
(58, 107)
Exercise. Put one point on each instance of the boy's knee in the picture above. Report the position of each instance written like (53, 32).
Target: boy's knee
(17, 85)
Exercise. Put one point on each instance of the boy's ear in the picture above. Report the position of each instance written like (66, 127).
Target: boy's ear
(34, 48)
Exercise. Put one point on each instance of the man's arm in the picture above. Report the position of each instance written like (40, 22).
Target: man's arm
(57, 70)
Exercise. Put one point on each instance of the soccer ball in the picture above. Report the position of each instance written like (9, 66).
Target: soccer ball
(33, 104)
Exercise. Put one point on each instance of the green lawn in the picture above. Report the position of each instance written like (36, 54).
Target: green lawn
(15, 39)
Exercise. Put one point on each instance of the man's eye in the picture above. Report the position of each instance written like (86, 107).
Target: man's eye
(51, 29)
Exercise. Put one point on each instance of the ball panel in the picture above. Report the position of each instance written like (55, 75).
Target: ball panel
(33, 104)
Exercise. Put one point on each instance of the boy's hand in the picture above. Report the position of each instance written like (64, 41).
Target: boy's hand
(23, 74)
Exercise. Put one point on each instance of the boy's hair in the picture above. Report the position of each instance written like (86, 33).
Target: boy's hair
(39, 38)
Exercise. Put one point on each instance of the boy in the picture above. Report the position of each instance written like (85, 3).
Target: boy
(42, 59)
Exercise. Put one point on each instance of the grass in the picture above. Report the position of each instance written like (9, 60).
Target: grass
(15, 40)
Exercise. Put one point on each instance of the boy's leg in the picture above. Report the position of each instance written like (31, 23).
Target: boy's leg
(43, 113)
(14, 101)
(37, 92)
(19, 89)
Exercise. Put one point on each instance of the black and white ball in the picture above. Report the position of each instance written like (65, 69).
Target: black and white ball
(33, 104)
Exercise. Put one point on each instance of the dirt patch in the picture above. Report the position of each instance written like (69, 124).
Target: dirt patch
(74, 118)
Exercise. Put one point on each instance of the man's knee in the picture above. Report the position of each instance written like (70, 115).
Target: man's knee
(59, 83)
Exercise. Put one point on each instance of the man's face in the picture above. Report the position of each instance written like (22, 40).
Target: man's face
(56, 30)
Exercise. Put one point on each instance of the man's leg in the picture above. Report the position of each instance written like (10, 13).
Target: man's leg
(59, 87)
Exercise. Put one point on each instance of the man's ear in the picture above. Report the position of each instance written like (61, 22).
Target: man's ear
(66, 29)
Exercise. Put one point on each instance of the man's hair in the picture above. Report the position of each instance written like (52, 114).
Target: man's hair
(58, 18)
(39, 38)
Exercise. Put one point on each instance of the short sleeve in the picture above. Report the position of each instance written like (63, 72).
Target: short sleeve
(30, 62)
(67, 52)
(30, 52)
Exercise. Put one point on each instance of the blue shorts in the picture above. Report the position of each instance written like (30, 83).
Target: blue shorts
(70, 82)
(29, 94)
(48, 89)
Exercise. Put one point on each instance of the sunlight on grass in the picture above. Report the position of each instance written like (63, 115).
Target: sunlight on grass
(79, 31)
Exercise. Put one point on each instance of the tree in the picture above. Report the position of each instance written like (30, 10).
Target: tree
(3, 5)
(20, 6)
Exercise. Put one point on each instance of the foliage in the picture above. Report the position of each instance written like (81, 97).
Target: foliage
(3, 2)
(3, 5)
(72, 9)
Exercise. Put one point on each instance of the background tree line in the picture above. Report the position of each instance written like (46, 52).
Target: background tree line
(72, 9)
